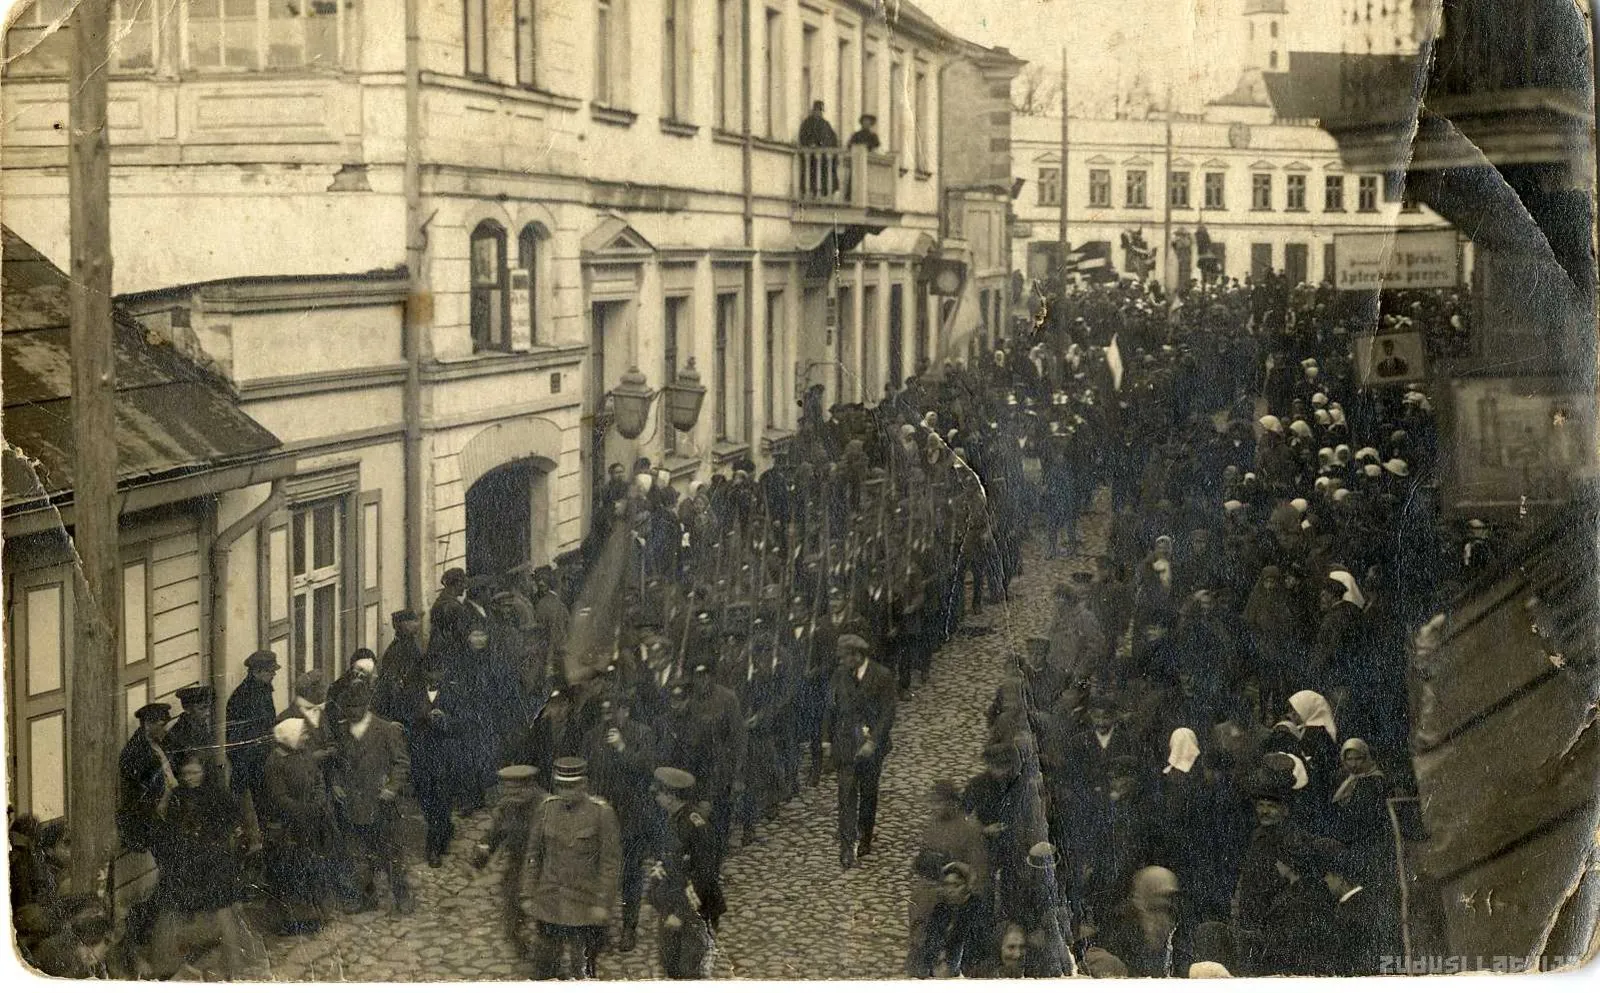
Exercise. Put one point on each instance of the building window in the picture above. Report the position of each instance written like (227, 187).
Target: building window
(675, 321)
(1178, 189)
(957, 217)
(1215, 191)
(1408, 205)
(475, 28)
(726, 373)
(1294, 186)
(1367, 194)
(239, 34)
(1272, 60)
(1137, 188)
(611, 55)
(809, 74)
(1296, 262)
(1260, 260)
(603, 27)
(489, 308)
(1261, 191)
(924, 123)
(1050, 187)
(770, 359)
(528, 42)
(1333, 193)
(773, 54)
(897, 98)
(869, 82)
(677, 60)
(729, 68)
(1099, 187)
(316, 574)
(1330, 264)
(525, 290)
(844, 74)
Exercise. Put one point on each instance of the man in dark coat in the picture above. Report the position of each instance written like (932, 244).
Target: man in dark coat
(400, 669)
(1000, 799)
(194, 730)
(146, 776)
(450, 617)
(620, 752)
(370, 772)
(858, 728)
(250, 717)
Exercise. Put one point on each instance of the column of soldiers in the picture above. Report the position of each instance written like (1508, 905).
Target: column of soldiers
(766, 642)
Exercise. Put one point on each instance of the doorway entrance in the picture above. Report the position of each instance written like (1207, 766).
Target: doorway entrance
(500, 514)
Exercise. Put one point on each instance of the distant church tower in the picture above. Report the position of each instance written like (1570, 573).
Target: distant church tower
(1267, 35)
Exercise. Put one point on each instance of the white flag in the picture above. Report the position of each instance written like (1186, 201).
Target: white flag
(1114, 360)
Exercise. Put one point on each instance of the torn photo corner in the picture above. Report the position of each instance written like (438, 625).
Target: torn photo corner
(799, 490)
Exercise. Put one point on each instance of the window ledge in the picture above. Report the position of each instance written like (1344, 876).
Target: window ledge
(774, 439)
(612, 115)
(480, 363)
(1296, 210)
(489, 87)
(724, 452)
(722, 136)
(679, 128)
(678, 465)
(1367, 210)
(775, 145)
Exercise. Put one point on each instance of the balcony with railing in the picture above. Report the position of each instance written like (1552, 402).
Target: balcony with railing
(850, 185)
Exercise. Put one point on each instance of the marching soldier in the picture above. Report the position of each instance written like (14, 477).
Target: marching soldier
(684, 889)
(566, 876)
(858, 729)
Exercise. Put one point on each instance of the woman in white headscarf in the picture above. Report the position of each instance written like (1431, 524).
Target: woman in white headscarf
(1185, 807)
(299, 833)
(1315, 735)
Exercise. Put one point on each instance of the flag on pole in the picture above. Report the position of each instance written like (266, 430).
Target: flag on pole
(1114, 361)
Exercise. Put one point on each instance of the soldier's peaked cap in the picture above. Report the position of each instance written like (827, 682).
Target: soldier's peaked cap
(189, 696)
(154, 712)
(262, 659)
(676, 780)
(517, 773)
(570, 769)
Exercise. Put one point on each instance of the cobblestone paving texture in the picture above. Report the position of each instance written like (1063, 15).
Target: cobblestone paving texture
(793, 913)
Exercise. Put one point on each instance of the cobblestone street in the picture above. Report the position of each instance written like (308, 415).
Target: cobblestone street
(793, 913)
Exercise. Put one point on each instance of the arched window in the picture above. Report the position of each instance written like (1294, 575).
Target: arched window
(1274, 29)
(528, 270)
(490, 327)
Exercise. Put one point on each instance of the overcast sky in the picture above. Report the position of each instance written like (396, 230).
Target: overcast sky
(1195, 45)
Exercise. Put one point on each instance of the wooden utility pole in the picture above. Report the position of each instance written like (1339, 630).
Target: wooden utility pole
(1066, 185)
(94, 694)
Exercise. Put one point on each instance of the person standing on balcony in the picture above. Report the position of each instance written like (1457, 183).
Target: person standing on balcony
(867, 134)
(820, 176)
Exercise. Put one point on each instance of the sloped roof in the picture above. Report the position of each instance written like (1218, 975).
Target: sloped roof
(172, 417)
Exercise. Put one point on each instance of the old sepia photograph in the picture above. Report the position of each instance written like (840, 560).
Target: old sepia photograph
(799, 489)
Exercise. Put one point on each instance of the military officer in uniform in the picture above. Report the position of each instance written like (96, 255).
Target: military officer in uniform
(684, 888)
(566, 876)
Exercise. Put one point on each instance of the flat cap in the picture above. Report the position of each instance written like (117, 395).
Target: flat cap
(676, 780)
(454, 577)
(570, 769)
(154, 712)
(189, 696)
(262, 659)
(312, 687)
(853, 641)
(401, 616)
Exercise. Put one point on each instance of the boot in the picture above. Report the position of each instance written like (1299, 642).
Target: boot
(847, 855)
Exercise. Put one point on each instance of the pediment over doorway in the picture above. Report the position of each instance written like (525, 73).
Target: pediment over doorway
(615, 238)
